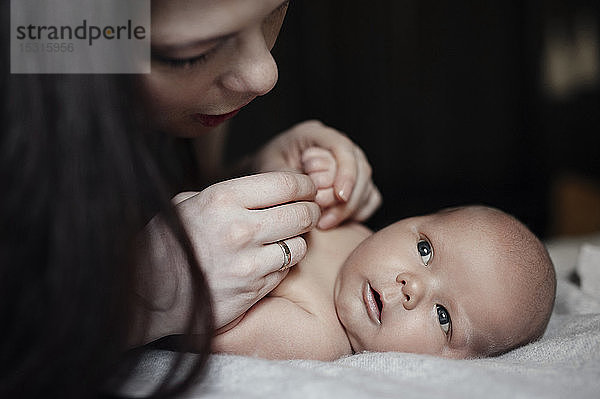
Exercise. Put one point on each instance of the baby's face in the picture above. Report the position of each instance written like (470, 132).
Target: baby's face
(434, 284)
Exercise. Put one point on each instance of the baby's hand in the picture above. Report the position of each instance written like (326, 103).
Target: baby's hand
(354, 197)
(321, 166)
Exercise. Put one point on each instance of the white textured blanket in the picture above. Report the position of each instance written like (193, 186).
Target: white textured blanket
(565, 363)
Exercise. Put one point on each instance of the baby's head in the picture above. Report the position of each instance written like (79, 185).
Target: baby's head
(463, 282)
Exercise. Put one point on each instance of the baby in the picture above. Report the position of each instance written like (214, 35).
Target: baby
(463, 282)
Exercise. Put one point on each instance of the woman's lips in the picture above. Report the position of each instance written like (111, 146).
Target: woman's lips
(214, 120)
(371, 303)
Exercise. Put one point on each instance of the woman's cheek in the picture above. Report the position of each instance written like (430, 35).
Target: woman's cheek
(272, 26)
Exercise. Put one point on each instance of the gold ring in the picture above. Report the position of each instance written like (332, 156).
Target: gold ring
(287, 255)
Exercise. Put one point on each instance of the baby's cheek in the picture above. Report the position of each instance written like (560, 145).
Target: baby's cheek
(410, 335)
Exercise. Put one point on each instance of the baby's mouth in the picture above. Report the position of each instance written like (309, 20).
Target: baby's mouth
(373, 301)
(378, 300)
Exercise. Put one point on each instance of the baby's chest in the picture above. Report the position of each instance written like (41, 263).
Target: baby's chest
(329, 340)
(311, 288)
(317, 271)
(307, 291)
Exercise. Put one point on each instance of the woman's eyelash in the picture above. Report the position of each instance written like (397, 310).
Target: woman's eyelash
(185, 63)
(181, 62)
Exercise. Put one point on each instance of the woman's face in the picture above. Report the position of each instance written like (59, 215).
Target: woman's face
(209, 59)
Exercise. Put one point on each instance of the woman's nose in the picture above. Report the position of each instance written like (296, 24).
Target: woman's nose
(254, 71)
(412, 288)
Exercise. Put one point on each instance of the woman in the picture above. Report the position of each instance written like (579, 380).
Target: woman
(210, 59)
(81, 178)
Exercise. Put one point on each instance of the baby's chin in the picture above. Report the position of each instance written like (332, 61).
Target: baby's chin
(336, 293)
(355, 344)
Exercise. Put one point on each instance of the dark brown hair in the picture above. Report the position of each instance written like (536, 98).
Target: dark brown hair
(79, 182)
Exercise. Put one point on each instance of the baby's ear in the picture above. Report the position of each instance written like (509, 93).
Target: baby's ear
(320, 165)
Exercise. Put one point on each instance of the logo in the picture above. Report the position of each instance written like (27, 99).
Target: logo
(80, 36)
(82, 32)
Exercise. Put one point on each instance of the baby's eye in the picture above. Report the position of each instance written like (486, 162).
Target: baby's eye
(443, 318)
(425, 251)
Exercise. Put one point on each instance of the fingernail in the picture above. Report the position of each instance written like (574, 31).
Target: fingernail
(344, 193)
(327, 221)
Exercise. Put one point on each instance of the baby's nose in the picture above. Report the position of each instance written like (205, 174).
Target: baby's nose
(411, 288)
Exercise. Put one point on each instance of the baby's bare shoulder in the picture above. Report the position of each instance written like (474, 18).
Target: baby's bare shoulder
(278, 328)
(298, 318)
(345, 237)
(327, 252)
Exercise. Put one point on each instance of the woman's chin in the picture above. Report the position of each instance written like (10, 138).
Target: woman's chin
(188, 130)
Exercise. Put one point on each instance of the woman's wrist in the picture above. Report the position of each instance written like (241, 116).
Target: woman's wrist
(162, 293)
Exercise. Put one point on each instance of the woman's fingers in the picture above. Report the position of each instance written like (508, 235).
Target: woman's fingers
(234, 226)
(334, 215)
(347, 170)
(183, 196)
(370, 206)
(282, 255)
(284, 221)
(268, 189)
(273, 255)
(363, 186)
(342, 149)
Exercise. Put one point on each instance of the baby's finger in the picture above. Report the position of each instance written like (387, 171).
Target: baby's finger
(343, 152)
(331, 217)
(315, 159)
(323, 179)
(326, 198)
(315, 165)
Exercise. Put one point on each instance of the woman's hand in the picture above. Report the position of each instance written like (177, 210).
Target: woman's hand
(353, 195)
(234, 227)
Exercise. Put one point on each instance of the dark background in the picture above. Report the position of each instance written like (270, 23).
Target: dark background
(449, 101)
